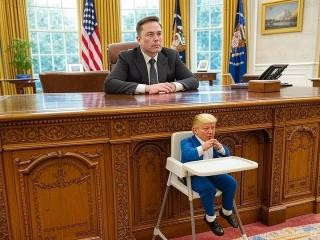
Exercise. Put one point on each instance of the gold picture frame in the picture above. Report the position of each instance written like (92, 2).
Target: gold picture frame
(281, 16)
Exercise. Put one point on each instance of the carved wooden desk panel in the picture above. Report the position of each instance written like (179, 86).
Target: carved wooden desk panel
(77, 166)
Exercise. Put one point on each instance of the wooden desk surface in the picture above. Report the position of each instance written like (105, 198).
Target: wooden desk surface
(24, 106)
(94, 164)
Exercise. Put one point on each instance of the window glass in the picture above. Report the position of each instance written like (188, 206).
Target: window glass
(53, 28)
(58, 46)
(131, 12)
(59, 62)
(55, 3)
(202, 16)
(44, 43)
(55, 19)
(42, 18)
(207, 33)
(46, 63)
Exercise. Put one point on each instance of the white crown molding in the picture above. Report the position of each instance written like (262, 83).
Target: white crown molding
(290, 64)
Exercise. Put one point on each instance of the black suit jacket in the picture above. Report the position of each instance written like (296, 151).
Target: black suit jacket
(131, 70)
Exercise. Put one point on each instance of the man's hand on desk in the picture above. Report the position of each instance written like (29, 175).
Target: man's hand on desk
(161, 88)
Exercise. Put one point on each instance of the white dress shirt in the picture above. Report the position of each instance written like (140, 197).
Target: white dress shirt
(141, 88)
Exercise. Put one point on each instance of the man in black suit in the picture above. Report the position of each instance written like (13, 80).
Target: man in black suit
(149, 68)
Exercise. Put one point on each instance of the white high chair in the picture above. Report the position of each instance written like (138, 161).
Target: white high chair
(207, 167)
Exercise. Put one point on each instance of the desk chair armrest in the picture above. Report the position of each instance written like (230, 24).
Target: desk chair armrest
(176, 167)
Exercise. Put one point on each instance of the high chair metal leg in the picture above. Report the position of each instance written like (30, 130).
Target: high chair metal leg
(243, 234)
(156, 230)
(193, 228)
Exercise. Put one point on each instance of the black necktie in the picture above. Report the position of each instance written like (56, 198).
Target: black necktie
(153, 73)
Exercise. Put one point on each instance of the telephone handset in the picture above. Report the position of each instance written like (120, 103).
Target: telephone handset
(273, 72)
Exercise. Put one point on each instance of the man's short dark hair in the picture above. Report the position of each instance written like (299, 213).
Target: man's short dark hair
(145, 20)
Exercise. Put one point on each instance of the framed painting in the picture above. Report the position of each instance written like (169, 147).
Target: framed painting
(281, 16)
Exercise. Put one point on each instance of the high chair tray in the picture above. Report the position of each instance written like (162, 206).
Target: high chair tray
(217, 166)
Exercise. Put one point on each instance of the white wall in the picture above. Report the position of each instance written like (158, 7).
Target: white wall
(298, 49)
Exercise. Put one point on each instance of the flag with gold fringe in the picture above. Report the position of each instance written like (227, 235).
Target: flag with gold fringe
(238, 54)
(178, 39)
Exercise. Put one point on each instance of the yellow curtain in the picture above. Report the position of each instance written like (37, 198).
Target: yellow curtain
(108, 16)
(13, 24)
(1, 63)
(166, 17)
(229, 15)
(229, 12)
(319, 65)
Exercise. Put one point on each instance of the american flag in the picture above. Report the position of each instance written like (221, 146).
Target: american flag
(91, 46)
(238, 54)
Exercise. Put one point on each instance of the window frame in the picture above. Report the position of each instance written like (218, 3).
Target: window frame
(135, 9)
(193, 38)
(32, 5)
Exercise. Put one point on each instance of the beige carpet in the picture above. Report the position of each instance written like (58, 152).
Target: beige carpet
(310, 232)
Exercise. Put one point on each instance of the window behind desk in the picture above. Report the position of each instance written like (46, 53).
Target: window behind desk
(53, 27)
(131, 11)
(206, 33)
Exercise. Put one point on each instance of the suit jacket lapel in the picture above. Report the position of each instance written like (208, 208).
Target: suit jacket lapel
(196, 143)
(141, 65)
(162, 67)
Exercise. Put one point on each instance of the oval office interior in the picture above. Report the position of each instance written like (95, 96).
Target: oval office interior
(77, 163)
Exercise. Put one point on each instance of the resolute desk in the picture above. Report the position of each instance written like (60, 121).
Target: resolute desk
(91, 165)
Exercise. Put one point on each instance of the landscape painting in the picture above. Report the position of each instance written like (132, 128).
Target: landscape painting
(282, 16)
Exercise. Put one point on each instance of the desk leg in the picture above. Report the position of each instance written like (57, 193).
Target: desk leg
(210, 82)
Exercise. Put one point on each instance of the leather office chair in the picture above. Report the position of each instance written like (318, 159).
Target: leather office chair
(66, 82)
(114, 49)
(177, 173)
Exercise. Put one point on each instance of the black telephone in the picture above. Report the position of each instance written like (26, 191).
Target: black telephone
(273, 72)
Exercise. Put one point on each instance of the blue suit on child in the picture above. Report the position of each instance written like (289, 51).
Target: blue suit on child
(206, 186)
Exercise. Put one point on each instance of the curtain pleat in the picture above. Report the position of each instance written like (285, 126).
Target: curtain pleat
(13, 24)
(108, 14)
(166, 19)
(229, 12)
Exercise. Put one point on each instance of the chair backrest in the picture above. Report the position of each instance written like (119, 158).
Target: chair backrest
(114, 49)
(65, 82)
(175, 143)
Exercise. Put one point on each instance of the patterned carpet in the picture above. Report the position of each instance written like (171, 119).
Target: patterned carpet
(311, 231)
(301, 228)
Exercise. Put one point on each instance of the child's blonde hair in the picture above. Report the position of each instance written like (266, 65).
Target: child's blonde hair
(202, 118)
